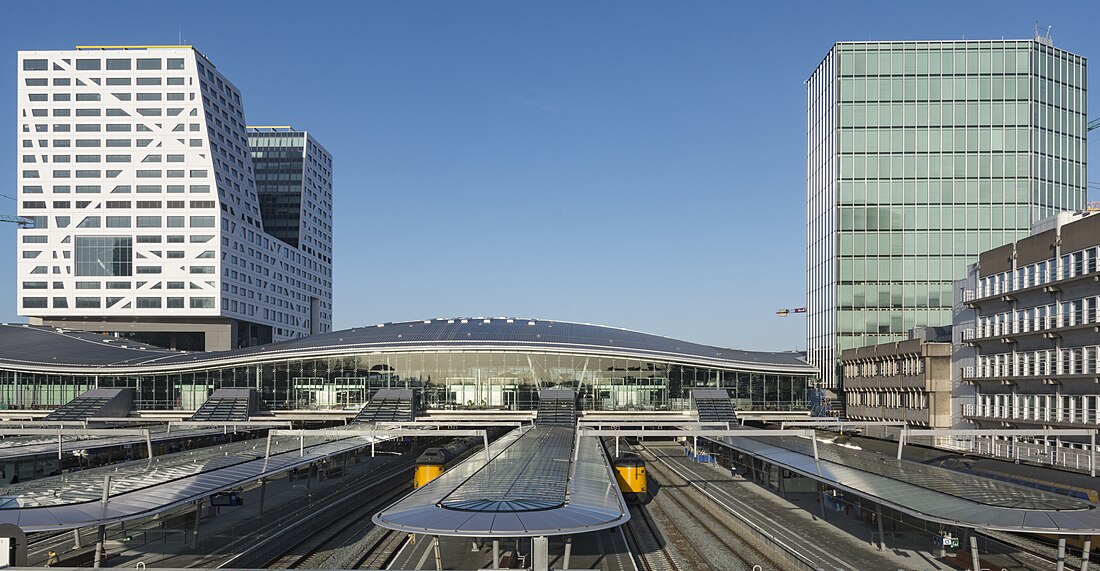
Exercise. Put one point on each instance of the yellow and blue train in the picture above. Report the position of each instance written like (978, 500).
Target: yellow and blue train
(435, 460)
(630, 474)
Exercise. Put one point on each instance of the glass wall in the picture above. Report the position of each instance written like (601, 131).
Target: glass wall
(447, 380)
(940, 150)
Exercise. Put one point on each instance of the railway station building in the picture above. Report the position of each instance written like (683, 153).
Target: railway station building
(456, 364)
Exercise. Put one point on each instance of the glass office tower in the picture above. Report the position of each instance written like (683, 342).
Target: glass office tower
(920, 155)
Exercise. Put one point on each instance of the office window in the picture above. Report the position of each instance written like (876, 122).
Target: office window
(103, 255)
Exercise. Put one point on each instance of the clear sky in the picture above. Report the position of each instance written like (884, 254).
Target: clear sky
(635, 164)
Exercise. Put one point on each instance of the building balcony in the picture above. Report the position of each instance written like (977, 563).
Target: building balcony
(1032, 416)
(1030, 282)
(1047, 326)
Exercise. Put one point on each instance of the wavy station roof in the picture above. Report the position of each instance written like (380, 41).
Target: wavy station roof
(62, 350)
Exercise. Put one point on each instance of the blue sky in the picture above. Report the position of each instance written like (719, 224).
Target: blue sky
(636, 164)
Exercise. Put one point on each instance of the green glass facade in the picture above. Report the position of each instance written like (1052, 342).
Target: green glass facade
(920, 156)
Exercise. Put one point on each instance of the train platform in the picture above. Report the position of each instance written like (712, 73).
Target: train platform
(605, 550)
(842, 539)
(834, 543)
(175, 539)
(534, 481)
(144, 488)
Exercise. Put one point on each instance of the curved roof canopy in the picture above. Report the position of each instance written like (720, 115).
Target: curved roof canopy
(53, 349)
(929, 492)
(533, 485)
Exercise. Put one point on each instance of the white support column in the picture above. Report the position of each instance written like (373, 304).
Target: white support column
(1061, 553)
(101, 536)
(568, 551)
(974, 559)
(1092, 454)
(540, 553)
(1085, 552)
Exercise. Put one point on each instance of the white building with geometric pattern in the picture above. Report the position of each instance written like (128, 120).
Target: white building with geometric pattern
(135, 166)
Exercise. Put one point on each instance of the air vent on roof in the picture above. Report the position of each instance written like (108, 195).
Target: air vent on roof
(380, 325)
(530, 323)
(510, 321)
(427, 322)
(464, 321)
(486, 321)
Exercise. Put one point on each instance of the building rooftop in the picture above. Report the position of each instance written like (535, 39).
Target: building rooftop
(50, 348)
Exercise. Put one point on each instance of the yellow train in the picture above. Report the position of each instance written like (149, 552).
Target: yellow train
(631, 476)
(434, 461)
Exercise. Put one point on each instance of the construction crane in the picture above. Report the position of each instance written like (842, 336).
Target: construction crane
(24, 222)
(1093, 124)
(787, 311)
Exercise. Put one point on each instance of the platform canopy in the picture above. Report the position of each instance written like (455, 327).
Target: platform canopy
(928, 492)
(145, 488)
(534, 484)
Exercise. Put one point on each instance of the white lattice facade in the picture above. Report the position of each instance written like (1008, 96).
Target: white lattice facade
(135, 166)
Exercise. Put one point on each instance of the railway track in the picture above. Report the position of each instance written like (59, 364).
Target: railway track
(642, 534)
(330, 541)
(711, 549)
(383, 550)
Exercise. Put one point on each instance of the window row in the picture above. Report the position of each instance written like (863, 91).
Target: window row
(121, 189)
(1069, 265)
(109, 64)
(117, 302)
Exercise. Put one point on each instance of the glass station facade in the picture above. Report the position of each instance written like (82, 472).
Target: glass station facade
(456, 380)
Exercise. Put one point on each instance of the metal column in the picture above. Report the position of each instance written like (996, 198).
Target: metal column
(881, 533)
(974, 559)
(821, 494)
(263, 494)
(540, 553)
(496, 553)
(1061, 553)
(568, 551)
(101, 536)
(198, 515)
(1085, 554)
